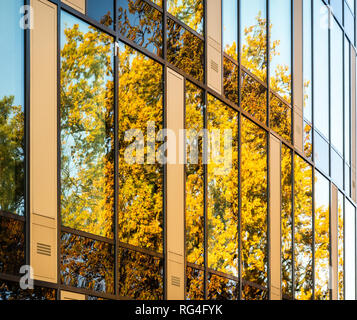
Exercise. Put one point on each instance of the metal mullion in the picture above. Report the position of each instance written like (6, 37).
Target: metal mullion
(87, 235)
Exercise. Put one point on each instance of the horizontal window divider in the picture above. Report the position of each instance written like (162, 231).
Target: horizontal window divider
(12, 216)
(87, 235)
(141, 250)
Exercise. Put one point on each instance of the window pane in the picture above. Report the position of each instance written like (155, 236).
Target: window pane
(87, 263)
(11, 291)
(194, 175)
(286, 222)
(230, 78)
(254, 97)
(308, 141)
(230, 27)
(251, 292)
(220, 288)
(303, 233)
(347, 103)
(321, 153)
(349, 23)
(280, 117)
(337, 87)
(185, 50)
(12, 153)
(254, 203)
(307, 59)
(280, 48)
(350, 251)
(189, 12)
(222, 177)
(322, 237)
(321, 67)
(341, 247)
(254, 38)
(337, 7)
(140, 275)
(87, 123)
(337, 168)
(101, 11)
(141, 23)
(140, 174)
(194, 284)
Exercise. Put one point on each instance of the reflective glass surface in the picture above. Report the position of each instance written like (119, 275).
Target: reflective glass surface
(230, 80)
(102, 11)
(220, 288)
(337, 168)
(350, 251)
(230, 27)
(280, 117)
(194, 284)
(308, 140)
(87, 128)
(321, 153)
(341, 247)
(11, 291)
(347, 102)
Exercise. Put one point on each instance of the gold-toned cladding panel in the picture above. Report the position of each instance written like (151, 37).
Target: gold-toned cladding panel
(298, 130)
(353, 117)
(66, 295)
(334, 241)
(298, 81)
(175, 190)
(43, 141)
(79, 5)
(275, 218)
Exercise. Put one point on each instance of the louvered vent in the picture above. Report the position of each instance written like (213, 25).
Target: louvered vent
(214, 65)
(43, 249)
(176, 281)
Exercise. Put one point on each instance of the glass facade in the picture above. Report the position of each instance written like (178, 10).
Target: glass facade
(286, 70)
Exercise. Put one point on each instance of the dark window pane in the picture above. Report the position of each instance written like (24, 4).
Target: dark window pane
(194, 284)
(12, 153)
(140, 174)
(101, 11)
(322, 237)
(303, 230)
(87, 263)
(250, 292)
(253, 19)
(220, 288)
(141, 23)
(280, 117)
(12, 245)
(87, 128)
(321, 153)
(12, 291)
(230, 78)
(189, 12)
(254, 97)
(185, 50)
(254, 203)
(287, 221)
(194, 175)
(230, 27)
(222, 193)
(140, 275)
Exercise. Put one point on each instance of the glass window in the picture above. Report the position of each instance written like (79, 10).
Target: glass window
(87, 128)
(321, 68)
(286, 222)
(253, 19)
(230, 27)
(250, 290)
(222, 193)
(321, 153)
(280, 117)
(336, 168)
(303, 230)
(140, 275)
(280, 47)
(220, 288)
(337, 8)
(87, 263)
(12, 153)
(194, 284)
(341, 247)
(322, 237)
(11, 291)
(140, 174)
(347, 103)
(308, 140)
(230, 78)
(194, 174)
(349, 23)
(189, 12)
(351, 4)
(307, 58)
(185, 50)
(254, 205)
(253, 97)
(141, 23)
(102, 11)
(350, 251)
(347, 179)
(337, 87)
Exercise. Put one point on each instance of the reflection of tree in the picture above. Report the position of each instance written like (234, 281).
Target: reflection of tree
(220, 288)
(11, 291)
(87, 131)
(194, 285)
(12, 168)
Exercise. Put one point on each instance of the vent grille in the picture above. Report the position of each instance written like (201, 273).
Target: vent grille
(176, 281)
(214, 66)
(43, 249)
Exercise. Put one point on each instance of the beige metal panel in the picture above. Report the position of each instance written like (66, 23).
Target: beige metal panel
(79, 5)
(175, 191)
(298, 56)
(298, 131)
(353, 117)
(66, 295)
(334, 241)
(43, 141)
(214, 47)
(275, 217)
